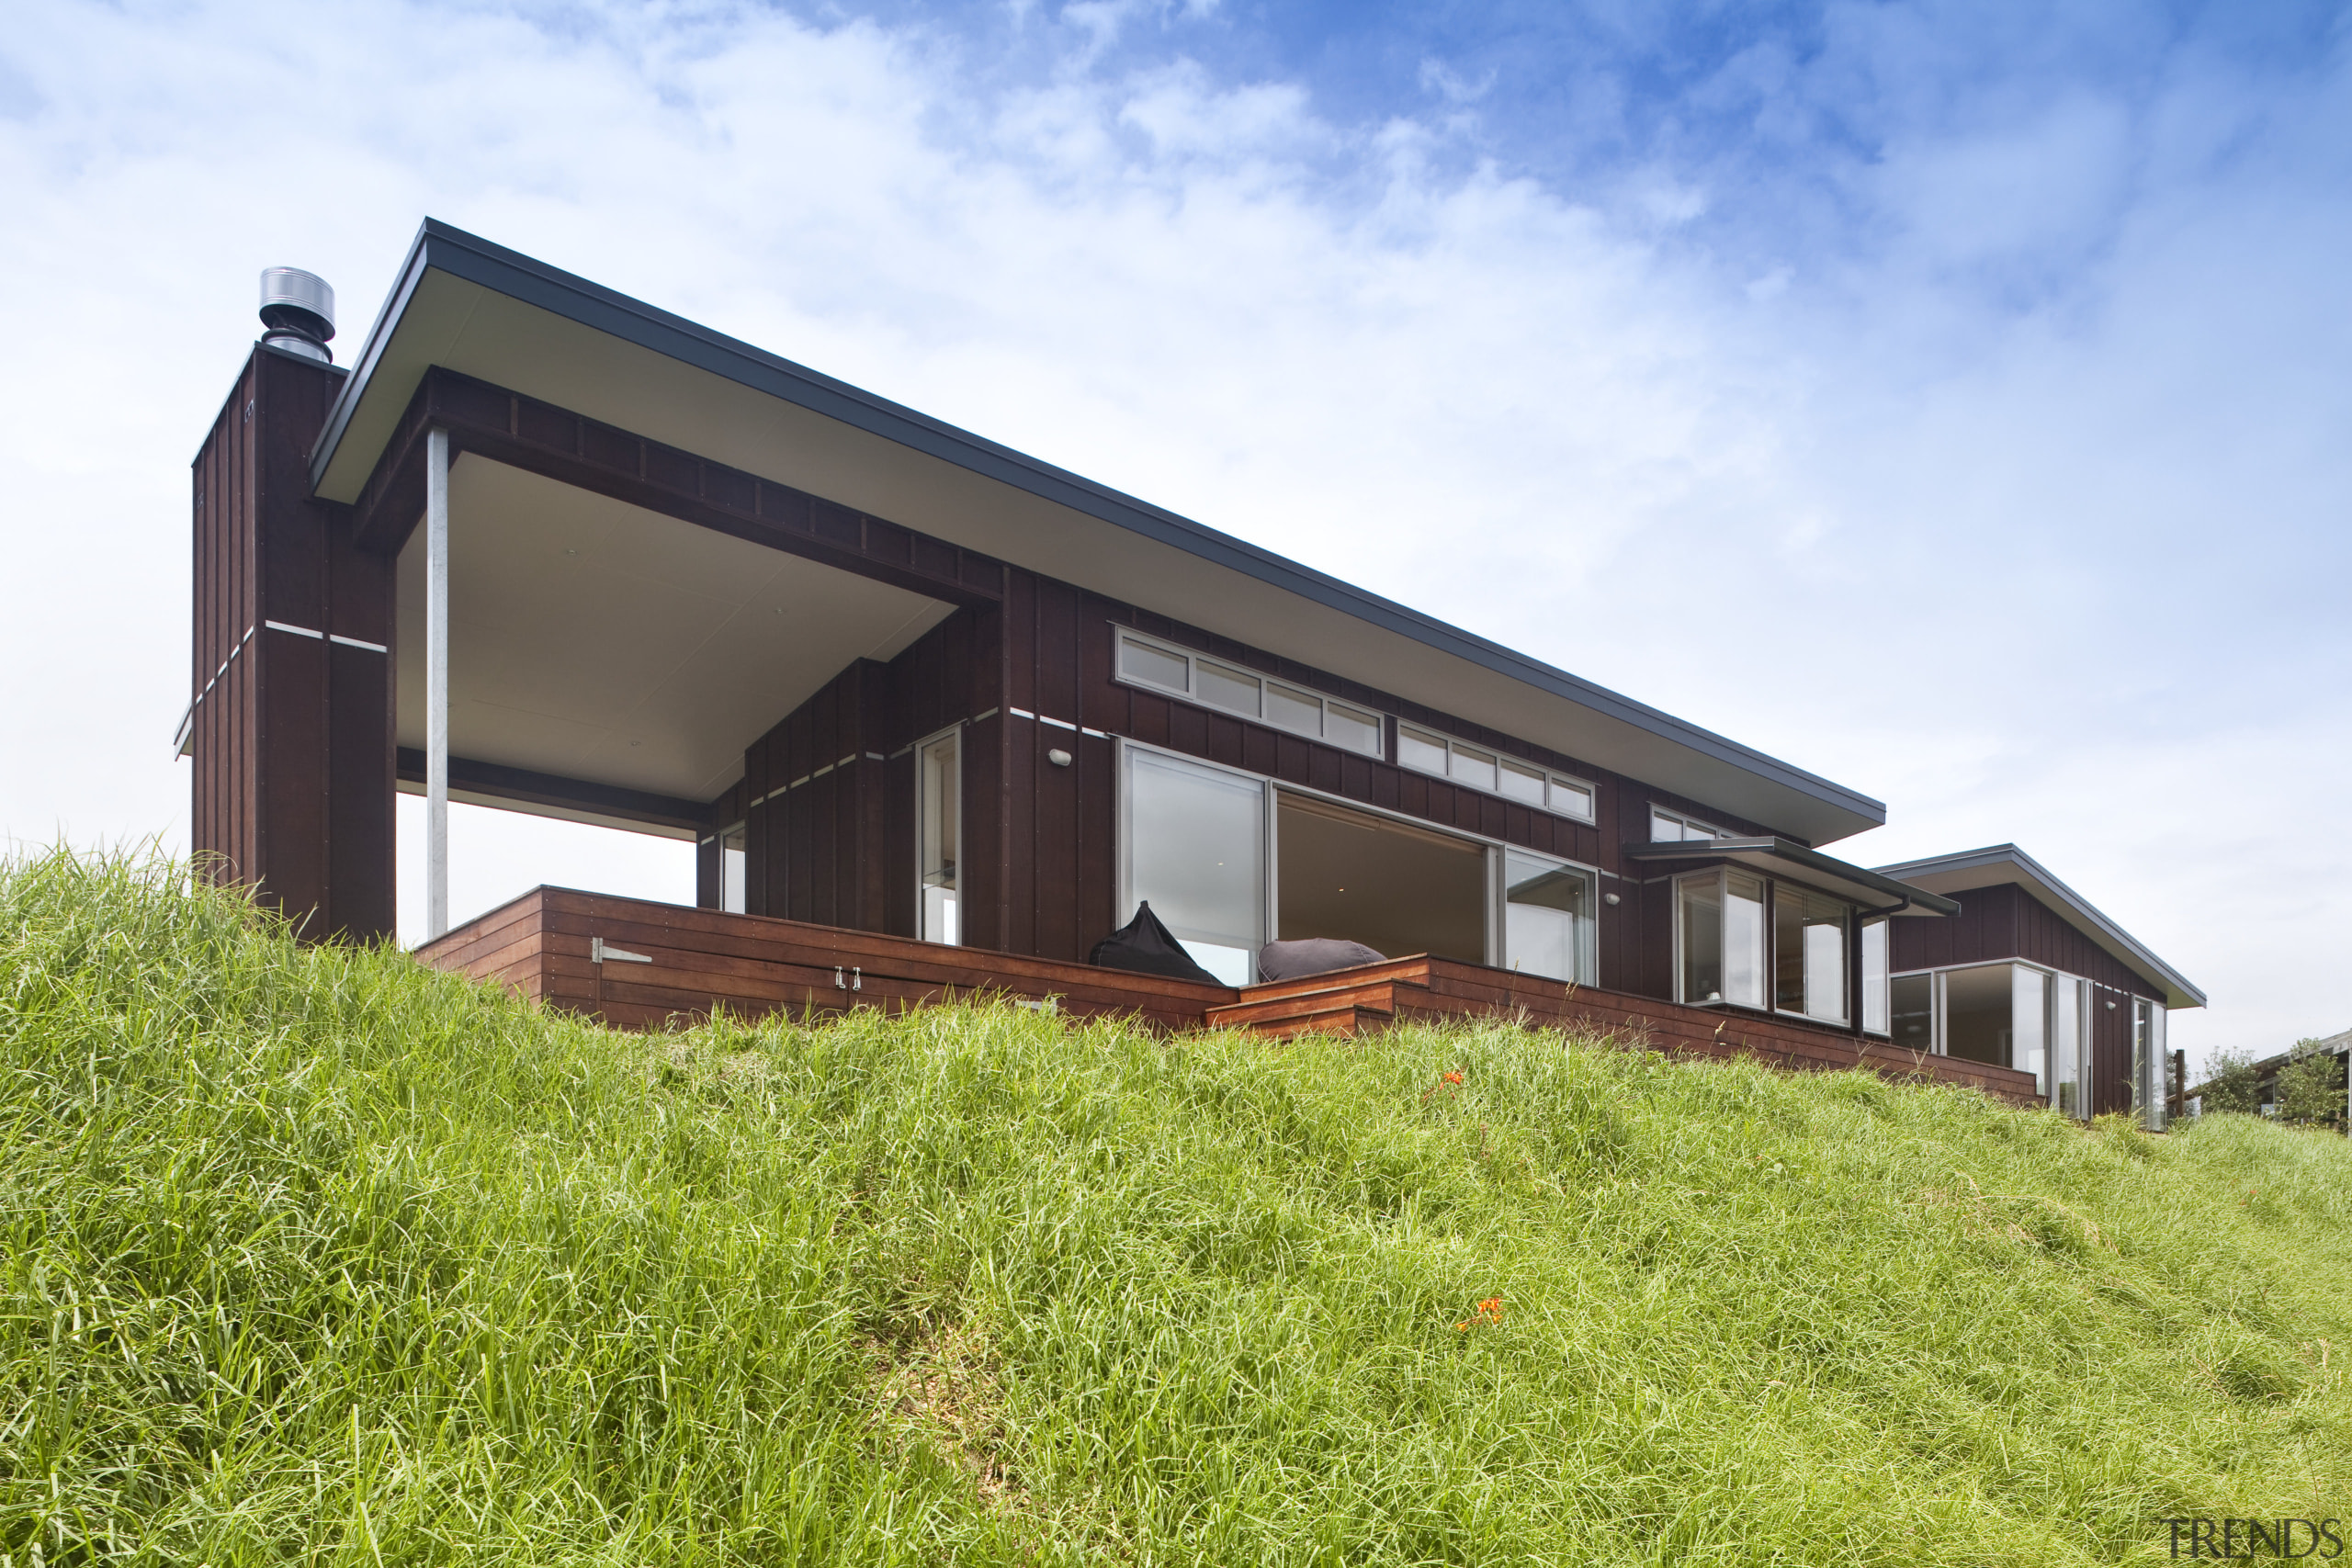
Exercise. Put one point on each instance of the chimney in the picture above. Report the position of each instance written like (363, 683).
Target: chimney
(299, 309)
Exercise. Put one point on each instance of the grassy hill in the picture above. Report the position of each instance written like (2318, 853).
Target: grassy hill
(316, 1257)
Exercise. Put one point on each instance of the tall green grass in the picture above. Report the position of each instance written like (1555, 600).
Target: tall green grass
(312, 1256)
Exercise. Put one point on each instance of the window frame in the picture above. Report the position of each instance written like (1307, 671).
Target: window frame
(1769, 1006)
(1686, 820)
(1227, 669)
(2087, 1012)
(955, 732)
(1498, 890)
(1553, 778)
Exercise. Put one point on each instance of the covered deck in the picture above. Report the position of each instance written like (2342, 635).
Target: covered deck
(638, 965)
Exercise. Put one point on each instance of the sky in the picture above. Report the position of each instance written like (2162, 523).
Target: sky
(1951, 400)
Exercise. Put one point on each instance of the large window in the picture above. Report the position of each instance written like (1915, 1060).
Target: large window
(939, 779)
(1426, 751)
(1396, 888)
(1195, 844)
(1213, 682)
(1195, 851)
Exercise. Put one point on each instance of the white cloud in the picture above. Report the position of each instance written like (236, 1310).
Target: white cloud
(2018, 504)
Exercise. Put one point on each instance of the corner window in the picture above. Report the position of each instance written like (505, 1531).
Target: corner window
(1212, 683)
(1750, 941)
(1426, 751)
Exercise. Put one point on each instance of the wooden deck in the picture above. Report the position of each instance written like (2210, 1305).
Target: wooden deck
(544, 944)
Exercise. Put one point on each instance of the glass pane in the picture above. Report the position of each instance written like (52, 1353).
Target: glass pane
(1912, 1003)
(1699, 917)
(1195, 849)
(730, 871)
(1141, 661)
(1874, 959)
(1521, 785)
(1396, 888)
(2028, 1019)
(1547, 917)
(1416, 750)
(1474, 767)
(1743, 939)
(1302, 711)
(2139, 1055)
(1665, 830)
(1808, 954)
(2065, 1089)
(1352, 727)
(2160, 1062)
(1976, 1014)
(941, 783)
(1571, 798)
(1233, 689)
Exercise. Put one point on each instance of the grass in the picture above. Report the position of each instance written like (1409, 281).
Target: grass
(312, 1256)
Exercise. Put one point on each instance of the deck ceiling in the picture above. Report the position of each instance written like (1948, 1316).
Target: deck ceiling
(487, 312)
(597, 640)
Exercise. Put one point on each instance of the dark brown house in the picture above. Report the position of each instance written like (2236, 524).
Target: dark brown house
(2031, 974)
(939, 716)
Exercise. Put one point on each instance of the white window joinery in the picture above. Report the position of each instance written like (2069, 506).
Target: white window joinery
(1218, 683)
(1426, 751)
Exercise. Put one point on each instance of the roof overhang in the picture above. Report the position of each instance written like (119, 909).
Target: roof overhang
(1876, 893)
(2000, 863)
(477, 308)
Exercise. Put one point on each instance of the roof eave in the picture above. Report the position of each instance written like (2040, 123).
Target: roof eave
(440, 246)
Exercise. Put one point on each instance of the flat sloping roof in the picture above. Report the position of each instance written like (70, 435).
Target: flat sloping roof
(474, 307)
(1999, 864)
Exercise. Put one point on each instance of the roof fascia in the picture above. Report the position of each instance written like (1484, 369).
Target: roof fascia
(2087, 916)
(439, 246)
(1804, 857)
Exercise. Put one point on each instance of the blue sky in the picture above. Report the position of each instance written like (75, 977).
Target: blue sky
(1949, 399)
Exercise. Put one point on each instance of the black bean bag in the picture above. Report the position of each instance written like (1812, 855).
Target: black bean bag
(1143, 946)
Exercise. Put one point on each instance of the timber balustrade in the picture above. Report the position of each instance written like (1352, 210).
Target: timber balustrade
(667, 964)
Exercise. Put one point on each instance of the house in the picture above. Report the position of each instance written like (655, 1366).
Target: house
(2031, 974)
(2333, 1086)
(939, 716)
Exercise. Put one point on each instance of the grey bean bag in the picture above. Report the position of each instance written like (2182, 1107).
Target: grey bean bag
(1311, 955)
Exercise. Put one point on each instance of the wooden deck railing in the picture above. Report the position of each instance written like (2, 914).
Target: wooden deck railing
(546, 944)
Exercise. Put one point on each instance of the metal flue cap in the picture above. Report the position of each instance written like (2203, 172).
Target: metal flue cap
(298, 308)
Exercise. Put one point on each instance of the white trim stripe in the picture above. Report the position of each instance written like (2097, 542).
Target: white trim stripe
(298, 631)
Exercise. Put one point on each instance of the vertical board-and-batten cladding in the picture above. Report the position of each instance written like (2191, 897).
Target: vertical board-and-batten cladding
(1041, 841)
(290, 724)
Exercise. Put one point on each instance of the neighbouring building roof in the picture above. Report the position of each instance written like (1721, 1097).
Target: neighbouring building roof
(2000, 863)
(483, 310)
